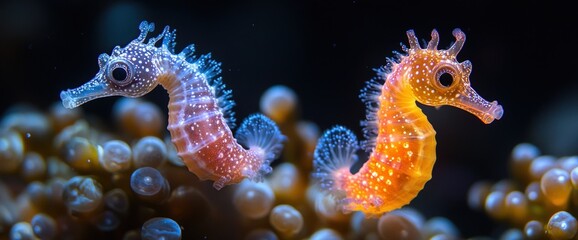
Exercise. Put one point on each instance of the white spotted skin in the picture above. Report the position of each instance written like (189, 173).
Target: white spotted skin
(199, 106)
(199, 131)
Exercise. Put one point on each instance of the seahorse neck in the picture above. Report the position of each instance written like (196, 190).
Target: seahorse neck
(403, 127)
(171, 83)
(397, 99)
(173, 76)
(184, 86)
(191, 99)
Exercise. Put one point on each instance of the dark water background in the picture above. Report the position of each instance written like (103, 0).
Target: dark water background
(523, 55)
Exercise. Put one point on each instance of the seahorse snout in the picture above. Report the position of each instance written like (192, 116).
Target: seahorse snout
(67, 99)
(496, 110)
(470, 101)
(93, 89)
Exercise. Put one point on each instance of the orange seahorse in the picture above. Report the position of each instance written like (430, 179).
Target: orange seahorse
(400, 138)
(200, 116)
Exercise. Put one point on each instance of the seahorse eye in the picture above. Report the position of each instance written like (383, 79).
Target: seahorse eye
(445, 77)
(120, 72)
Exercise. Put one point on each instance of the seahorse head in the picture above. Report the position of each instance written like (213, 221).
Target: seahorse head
(437, 78)
(128, 71)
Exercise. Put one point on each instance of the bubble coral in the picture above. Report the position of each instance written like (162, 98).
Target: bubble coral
(286, 219)
(539, 201)
(138, 118)
(161, 228)
(82, 194)
(44, 226)
(149, 152)
(253, 200)
(149, 185)
(115, 156)
(119, 194)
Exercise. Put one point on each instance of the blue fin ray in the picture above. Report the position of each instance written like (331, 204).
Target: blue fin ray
(224, 101)
(211, 69)
(261, 133)
(335, 150)
(370, 97)
(169, 40)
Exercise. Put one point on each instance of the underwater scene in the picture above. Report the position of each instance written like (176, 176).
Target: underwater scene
(288, 120)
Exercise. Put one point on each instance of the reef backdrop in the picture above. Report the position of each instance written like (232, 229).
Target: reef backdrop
(523, 55)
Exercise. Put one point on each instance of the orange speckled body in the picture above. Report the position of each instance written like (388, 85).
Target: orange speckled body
(404, 154)
(400, 138)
